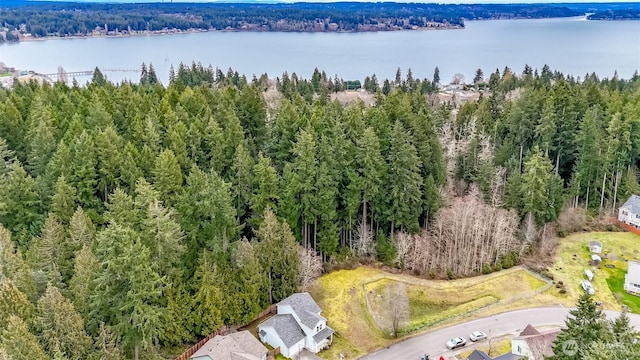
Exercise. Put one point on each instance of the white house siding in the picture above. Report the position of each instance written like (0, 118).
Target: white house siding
(294, 349)
(520, 347)
(310, 343)
(273, 339)
(626, 216)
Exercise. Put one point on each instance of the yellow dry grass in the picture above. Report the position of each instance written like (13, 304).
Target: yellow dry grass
(340, 295)
(570, 269)
(494, 348)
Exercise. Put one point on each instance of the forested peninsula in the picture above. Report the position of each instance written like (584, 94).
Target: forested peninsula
(24, 20)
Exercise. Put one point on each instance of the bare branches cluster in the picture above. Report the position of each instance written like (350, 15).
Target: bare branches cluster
(463, 238)
(309, 268)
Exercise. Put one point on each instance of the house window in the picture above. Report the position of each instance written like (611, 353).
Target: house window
(318, 328)
(625, 213)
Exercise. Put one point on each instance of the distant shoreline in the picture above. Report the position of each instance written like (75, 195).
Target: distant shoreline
(195, 31)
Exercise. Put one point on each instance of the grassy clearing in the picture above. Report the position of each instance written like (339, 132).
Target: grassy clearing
(572, 257)
(340, 295)
(431, 302)
(341, 299)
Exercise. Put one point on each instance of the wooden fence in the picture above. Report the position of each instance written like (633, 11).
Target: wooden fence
(192, 350)
(271, 309)
(630, 228)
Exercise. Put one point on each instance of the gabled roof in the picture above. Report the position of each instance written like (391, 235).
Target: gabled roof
(529, 330)
(323, 334)
(305, 307)
(633, 204)
(595, 243)
(286, 327)
(237, 346)
(509, 356)
(478, 355)
(540, 343)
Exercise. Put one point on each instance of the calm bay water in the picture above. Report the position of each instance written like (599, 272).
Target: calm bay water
(573, 46)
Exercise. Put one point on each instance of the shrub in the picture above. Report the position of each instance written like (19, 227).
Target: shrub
(487, 269)
(571, 220)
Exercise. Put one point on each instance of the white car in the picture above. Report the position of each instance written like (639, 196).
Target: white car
(456, 343)
(477, 336)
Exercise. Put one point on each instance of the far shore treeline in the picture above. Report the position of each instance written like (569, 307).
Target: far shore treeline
(43, 19)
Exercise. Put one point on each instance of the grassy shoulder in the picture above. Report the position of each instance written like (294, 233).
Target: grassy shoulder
(341, 295)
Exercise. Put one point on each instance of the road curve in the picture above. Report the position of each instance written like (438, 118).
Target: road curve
(508, 323)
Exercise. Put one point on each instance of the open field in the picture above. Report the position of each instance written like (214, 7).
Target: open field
(340, 295)
(431, 302)
(572, 257)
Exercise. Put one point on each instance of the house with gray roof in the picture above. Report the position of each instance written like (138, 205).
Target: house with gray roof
(629, 212)
(297, 325)
(533, 344)
(237, 346)
(481, 355)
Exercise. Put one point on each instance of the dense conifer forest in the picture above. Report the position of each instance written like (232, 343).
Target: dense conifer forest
(137, 218)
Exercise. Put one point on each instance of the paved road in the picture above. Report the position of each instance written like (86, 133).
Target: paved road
(509, 323)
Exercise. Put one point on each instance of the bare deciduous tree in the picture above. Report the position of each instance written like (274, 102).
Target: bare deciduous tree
(530, 231)
(464, 238)
(309, 269)
(403, 243)
(365, 245)
(397, 307)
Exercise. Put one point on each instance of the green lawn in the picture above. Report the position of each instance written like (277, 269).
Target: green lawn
(616, 285)
(572, 257)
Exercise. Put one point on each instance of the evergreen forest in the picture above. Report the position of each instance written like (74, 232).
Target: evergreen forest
(137, 218)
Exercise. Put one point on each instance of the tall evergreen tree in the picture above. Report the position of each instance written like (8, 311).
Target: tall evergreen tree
(541, 189)
(277, 251)
(107, 348)
(404, 187)
(63, 201)
(41, 137)
(81, 285)
(13, 302)
(84, 174)
(20, 205)
(265, 189)
(19, 343)
(127, 289)
(585, 325)
(209, 298)
(61, 327)
(167, 177)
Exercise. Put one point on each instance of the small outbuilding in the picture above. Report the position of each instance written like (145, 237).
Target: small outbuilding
(589, 274)
(595, 247)
(596, 260)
